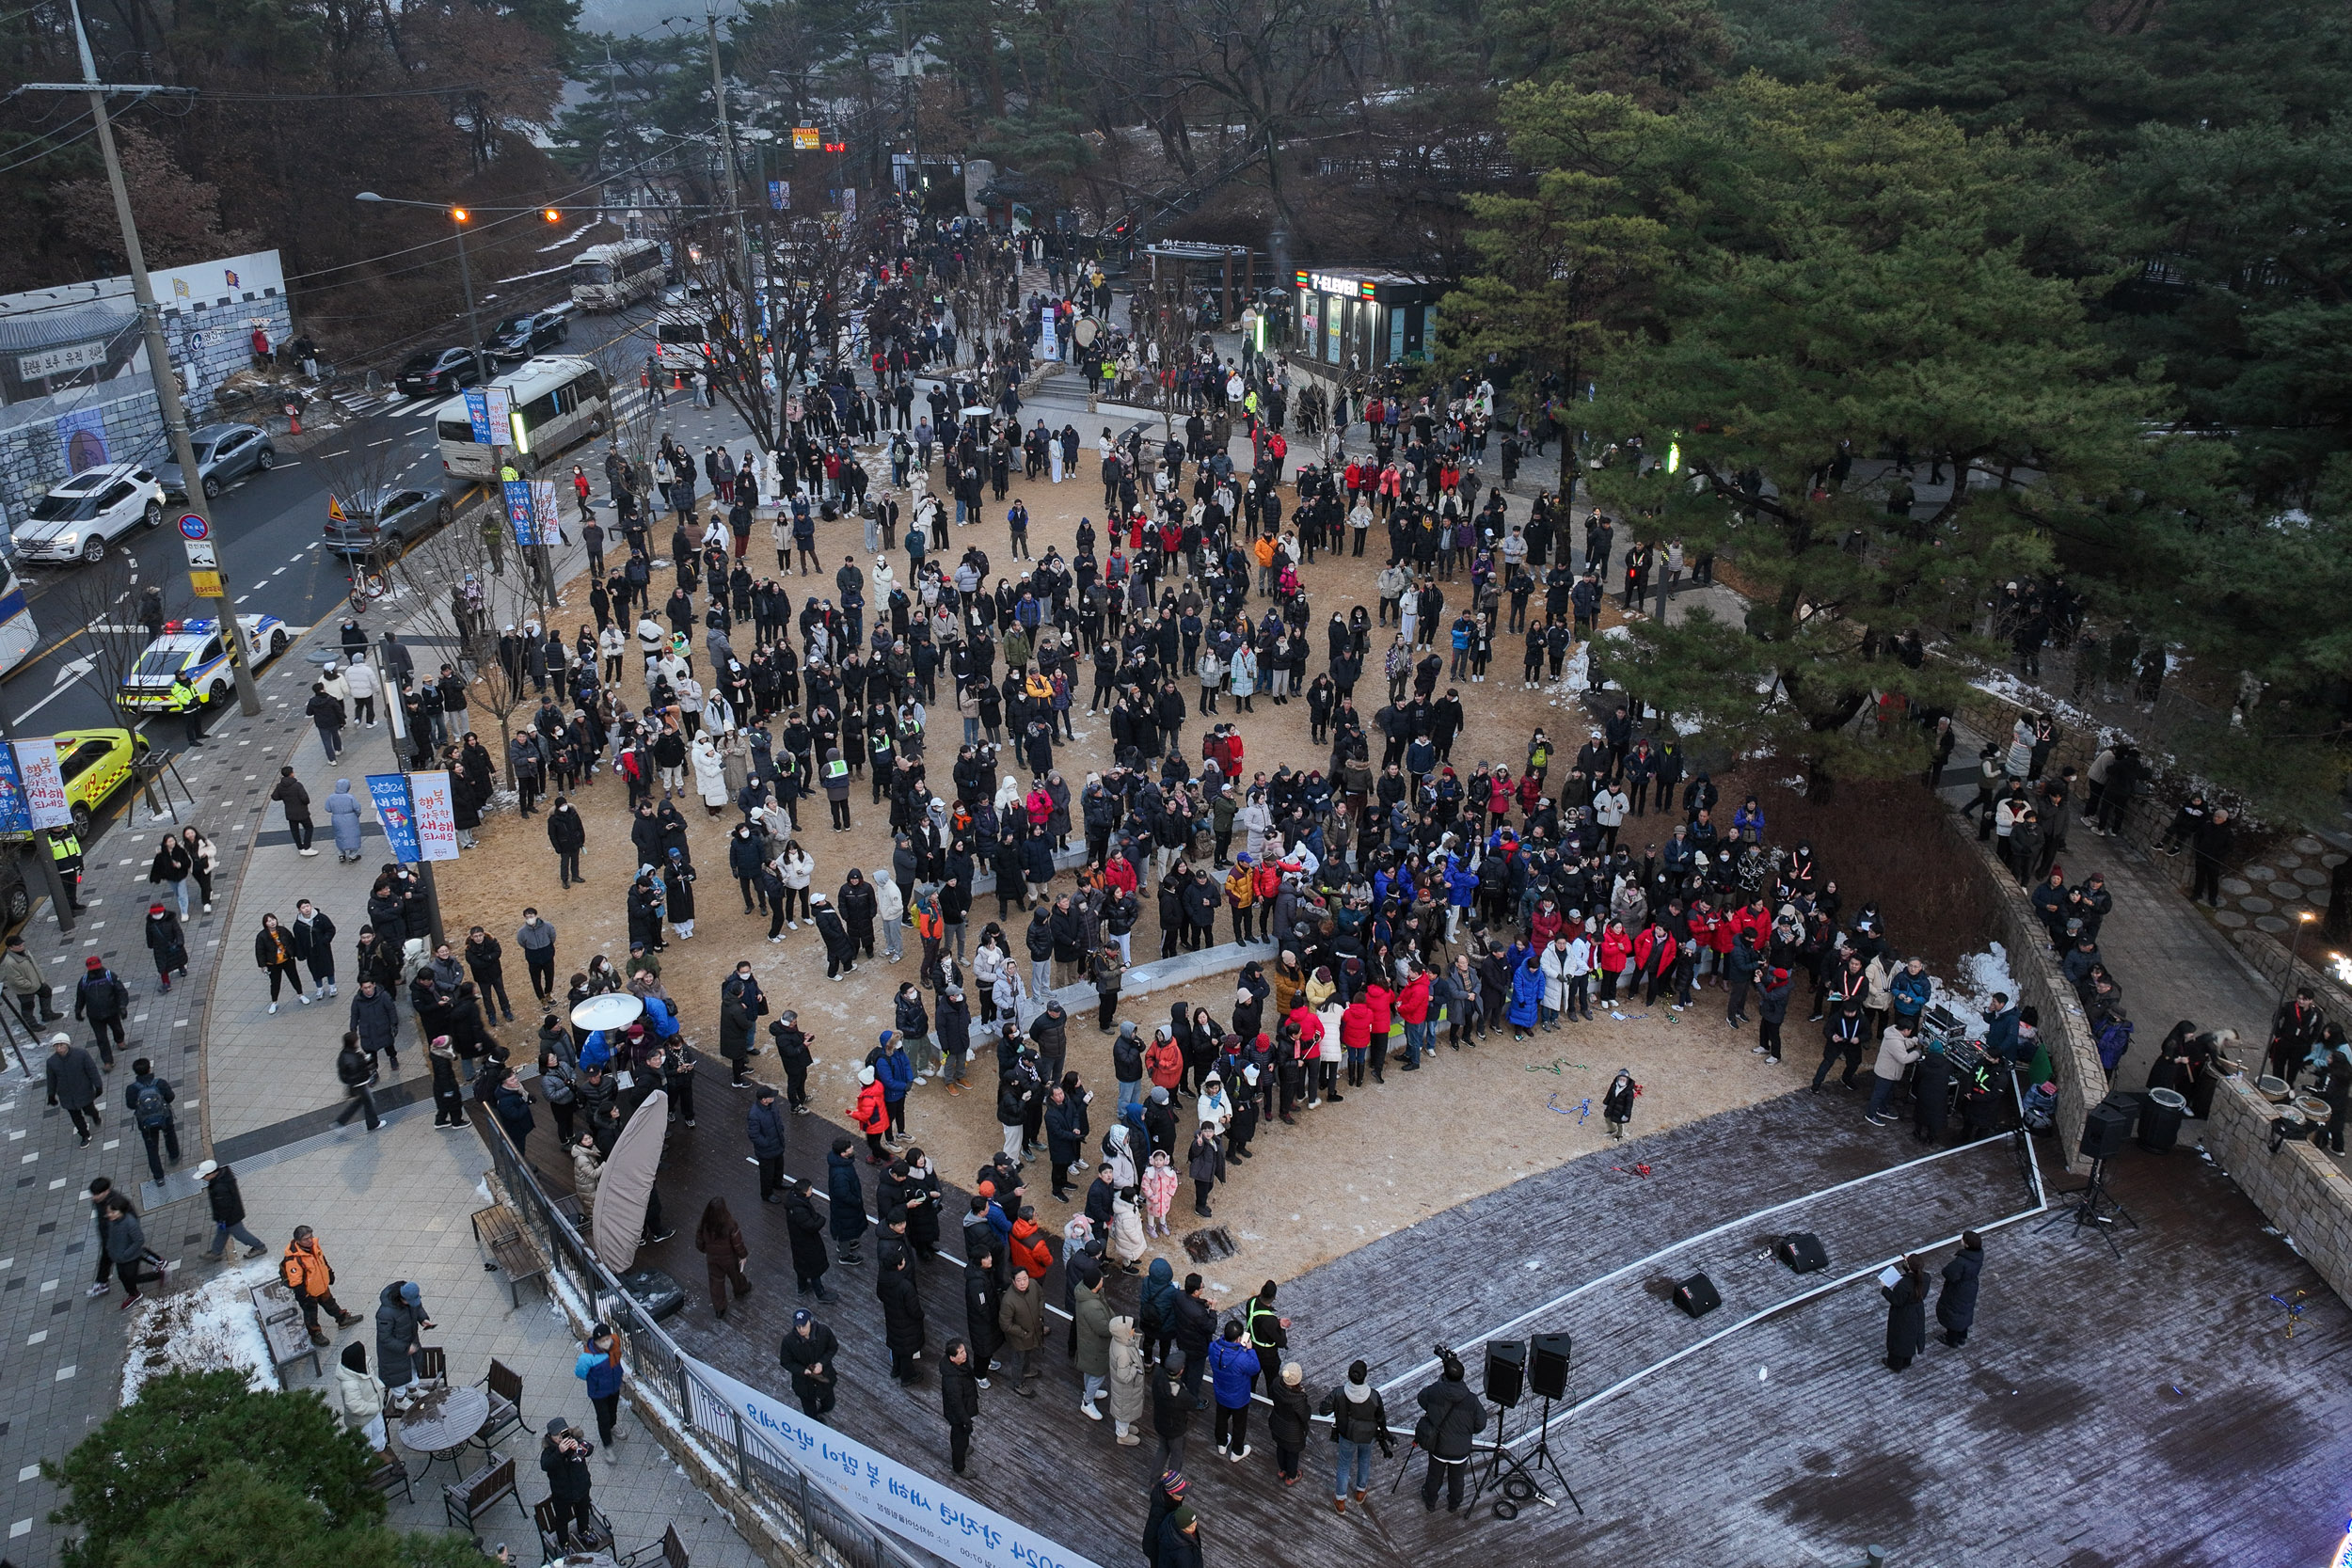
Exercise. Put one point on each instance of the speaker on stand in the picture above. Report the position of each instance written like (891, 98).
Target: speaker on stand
(1546, 1359)
(2106, 1130)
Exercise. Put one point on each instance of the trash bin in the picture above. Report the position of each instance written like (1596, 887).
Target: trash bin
(2160, 1119)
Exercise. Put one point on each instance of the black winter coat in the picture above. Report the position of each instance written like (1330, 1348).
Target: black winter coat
(1906, 1316)
(902, 1312)
(846, 1206)
(797, 1355)
(809, 1258)
(1956, 1307)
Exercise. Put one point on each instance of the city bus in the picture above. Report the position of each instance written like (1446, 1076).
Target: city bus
(559, 401)
(19, 637)
(617, 275)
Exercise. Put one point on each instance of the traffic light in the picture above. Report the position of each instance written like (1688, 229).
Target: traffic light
(836, 146)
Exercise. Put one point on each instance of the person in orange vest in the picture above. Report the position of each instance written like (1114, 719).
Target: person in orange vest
(306, 1273)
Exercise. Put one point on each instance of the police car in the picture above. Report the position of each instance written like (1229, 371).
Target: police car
(196, 652)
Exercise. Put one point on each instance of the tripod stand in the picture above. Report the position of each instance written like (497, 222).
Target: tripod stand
(1517, 1475)
(2097, 1209)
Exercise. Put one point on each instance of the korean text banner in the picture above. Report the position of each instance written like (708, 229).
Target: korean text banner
(880, 1490)
(437, 816)
(389, 791)
(44, 787)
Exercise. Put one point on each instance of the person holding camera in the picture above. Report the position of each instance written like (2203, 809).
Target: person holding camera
(563, 1455)
(1451, 1419)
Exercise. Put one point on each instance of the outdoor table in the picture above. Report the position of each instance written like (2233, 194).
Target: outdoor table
(444, 1421)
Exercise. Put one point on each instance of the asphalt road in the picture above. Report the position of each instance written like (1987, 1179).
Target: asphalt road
(267, 528)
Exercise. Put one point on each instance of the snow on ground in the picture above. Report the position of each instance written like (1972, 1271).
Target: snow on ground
(1969, 993)
(210, 1329)
(2006, 685)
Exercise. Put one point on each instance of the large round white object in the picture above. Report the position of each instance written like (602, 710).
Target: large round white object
(615, 1009)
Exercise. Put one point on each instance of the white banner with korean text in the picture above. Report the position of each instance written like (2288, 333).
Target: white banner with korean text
(877, 1487)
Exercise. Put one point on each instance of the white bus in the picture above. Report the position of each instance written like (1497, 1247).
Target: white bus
(558, 400)
(614, 276)
(681, 337)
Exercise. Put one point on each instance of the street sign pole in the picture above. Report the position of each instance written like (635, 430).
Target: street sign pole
(160, 369)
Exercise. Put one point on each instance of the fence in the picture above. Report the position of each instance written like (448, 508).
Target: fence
(815, 1528)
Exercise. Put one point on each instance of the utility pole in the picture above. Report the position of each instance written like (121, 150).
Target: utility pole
(166, 383)
(747, 297)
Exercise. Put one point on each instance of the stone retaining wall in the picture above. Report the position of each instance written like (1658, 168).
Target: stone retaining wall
(2299, 1188)
(2066, 1034)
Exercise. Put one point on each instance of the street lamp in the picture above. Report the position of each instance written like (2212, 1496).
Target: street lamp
(2293, 946)
(460, 216)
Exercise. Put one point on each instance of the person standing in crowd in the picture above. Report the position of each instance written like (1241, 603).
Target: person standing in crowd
(807, 1357)
(564, 1457)
(598, 1366)
(1360, 1422)
(1906, 1313)
(959, 1385)
(719, 1239)
(1956, 1307)
(1454, 1419)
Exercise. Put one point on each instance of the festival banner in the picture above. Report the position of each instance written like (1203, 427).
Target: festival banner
(44, 787)
(389, 791)
(15, 815)
(877, 1488)
(437, 816)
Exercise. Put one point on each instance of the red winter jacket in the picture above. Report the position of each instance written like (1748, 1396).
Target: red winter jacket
(1383, 1004)
(1356, 1025)
(1412, 1002)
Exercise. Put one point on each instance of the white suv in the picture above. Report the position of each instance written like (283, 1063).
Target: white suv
(80, 518)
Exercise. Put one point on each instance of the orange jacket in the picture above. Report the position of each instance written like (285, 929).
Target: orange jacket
(869, 1114)
(1031, 1250)
(304, 1269)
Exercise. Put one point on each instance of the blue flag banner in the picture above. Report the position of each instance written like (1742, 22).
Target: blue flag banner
(389, 791)
(520, 513)
(16, 817)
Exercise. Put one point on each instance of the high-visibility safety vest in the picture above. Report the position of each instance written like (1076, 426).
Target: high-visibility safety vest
(835, 770)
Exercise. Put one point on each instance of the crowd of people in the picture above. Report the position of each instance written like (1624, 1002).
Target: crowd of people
(1378, 899)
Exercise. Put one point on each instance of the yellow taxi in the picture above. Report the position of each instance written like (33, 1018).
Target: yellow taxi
(94, 764)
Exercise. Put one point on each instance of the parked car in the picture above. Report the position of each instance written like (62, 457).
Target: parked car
(518, 337)
(94, 764)
(196, 652)
(223, 453)
(390, 521)
(80, 518)
(438, 372)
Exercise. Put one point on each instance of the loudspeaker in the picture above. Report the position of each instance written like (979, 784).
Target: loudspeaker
(2107, 1128)
(1802, 1251)
(1697, 1296)
(1548, 1373)
(1506, 1371)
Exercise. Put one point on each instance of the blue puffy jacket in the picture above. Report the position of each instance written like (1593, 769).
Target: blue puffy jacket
(1461, 884)
(1232, 1366)
(1910, 992)
(896, 1073)
(601, 1372)
(1527, 995)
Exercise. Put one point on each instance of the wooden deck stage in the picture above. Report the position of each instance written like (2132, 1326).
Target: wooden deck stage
(2105, 1413)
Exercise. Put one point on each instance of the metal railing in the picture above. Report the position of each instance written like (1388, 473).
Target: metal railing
(815, 1525)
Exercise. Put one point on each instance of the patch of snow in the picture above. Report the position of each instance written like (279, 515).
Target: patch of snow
(574, 235)
(1794, 783)
(211, 1328)
(2006, 685)
(1969, 993)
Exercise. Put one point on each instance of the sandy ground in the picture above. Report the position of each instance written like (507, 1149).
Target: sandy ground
(1479, 1119)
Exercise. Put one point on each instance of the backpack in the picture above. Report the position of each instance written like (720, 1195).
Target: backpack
(148, 1105)
(2115, 1039)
